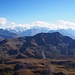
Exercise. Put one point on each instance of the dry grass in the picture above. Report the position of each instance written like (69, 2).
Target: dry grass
(25, 72)
(42, 64)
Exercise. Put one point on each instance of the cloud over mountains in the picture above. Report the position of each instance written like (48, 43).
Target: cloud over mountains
(3, 21)
(61, 24)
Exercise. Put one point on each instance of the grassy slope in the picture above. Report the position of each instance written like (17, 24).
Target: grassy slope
(38, 66)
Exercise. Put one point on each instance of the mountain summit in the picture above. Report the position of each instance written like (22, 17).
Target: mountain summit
(42, 45)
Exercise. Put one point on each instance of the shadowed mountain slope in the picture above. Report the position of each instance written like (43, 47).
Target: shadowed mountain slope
(42, 45)
(4, 34)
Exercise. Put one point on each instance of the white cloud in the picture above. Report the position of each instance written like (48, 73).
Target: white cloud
(66, 24)
(44, 24)
(34, 24)
(12, 23)
(3, 21)
(61, 24)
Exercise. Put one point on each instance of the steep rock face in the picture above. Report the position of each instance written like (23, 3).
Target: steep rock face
(43, 45)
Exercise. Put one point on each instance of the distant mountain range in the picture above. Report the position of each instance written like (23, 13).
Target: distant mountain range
(65, 32)
(5, 34)
(33, 31)
(28, 32)
(20, 32)
(43, 45)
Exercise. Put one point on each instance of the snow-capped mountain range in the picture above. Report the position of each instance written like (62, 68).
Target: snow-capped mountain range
(21, 31)
(28, 32)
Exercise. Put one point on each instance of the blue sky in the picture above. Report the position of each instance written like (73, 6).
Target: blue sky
(28, 11)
